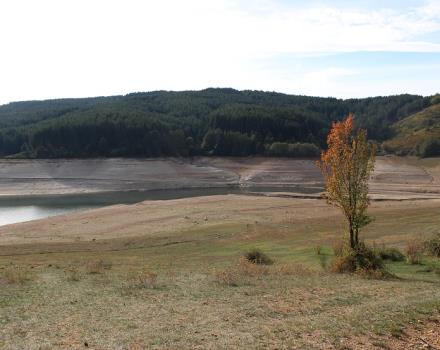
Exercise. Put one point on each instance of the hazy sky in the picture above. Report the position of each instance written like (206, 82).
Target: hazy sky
(75, 48)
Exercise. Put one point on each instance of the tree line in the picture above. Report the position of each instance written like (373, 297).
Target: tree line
(209, 122)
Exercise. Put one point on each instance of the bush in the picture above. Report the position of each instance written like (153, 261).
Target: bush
(414, 252)
(432, 246)
(392, 254)
(256, 256)
(362, 260)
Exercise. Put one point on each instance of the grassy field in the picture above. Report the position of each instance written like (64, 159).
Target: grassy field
(188, 287)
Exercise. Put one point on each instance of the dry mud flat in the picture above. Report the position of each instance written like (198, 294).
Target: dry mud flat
(47, 177)
(394, 176)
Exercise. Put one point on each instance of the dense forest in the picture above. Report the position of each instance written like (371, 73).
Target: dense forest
(208, 122)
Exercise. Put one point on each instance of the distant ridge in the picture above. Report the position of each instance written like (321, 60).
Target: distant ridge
(214, 121)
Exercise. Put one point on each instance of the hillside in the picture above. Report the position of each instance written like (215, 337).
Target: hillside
(417, 134)
(208, 122)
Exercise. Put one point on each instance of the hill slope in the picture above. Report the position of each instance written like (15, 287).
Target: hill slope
(418, 134)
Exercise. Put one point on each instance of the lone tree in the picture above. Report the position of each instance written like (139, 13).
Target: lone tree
(347, 165)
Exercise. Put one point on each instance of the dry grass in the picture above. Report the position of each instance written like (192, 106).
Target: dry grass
(184, 299)
(143, 279)
(338, 247)
(242, 272)
(16, 275)
(97, 266)
(299, 270)
(73, 274)
(414, 251)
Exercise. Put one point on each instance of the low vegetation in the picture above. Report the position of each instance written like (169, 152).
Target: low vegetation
(97, 266)
(389, 253)
(257, 256)
(414, 251)
(73, 273)
(143, 279)
(361, 260)
(432, 246)
(244, 272)
(14, 274)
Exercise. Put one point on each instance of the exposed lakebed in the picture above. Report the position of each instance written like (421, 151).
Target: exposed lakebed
(26, 208)
(35, 189)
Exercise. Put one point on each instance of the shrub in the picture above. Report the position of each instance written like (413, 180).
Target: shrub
(432, 246)
(318, 250)
(414, 252)
(143, 279)
(362, 260)
(256, 256)
(392, 254)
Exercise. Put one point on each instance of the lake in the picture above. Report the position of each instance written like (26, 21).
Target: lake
(21, 209)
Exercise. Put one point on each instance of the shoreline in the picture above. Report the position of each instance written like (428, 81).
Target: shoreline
(393, 176)
(154, 219)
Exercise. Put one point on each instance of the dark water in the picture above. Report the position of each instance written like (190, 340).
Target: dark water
(13, 210)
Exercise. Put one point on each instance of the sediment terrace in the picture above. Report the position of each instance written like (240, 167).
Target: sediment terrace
(394, 176)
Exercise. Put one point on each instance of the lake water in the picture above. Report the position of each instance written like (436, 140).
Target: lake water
(13, 210)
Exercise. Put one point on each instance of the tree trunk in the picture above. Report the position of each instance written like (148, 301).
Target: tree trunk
(352, 241)
(356, 237)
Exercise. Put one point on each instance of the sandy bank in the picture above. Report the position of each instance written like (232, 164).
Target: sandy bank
(161, 218)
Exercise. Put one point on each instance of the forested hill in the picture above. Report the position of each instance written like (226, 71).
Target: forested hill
(208, 122)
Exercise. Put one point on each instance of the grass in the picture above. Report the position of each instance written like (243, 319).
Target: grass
(15, 275)
(171, 295)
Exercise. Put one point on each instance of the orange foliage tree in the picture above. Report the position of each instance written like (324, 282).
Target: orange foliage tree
(347, 165)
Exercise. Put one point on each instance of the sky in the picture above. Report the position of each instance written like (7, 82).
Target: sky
(341, 48)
